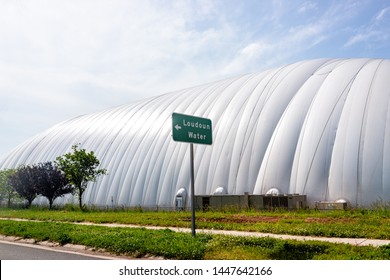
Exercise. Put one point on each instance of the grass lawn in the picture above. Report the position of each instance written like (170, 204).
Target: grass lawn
(173, 245)
(351, 223)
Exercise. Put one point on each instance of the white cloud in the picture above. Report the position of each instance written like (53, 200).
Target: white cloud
(254, 49)
(59, 59)
(365, 36)
(382, 13)
(307, 7)
(247, 58)
(375, 31)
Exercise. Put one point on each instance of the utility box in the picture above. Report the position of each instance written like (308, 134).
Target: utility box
(296, 201)
(179, 205)
(180, 199)
(330, 205)
(287, 201)
(247, 201)
(275, 201)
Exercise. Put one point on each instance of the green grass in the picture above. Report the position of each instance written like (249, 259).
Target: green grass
(140, 242)
(137, 242)
(348, 224)
(172, 245)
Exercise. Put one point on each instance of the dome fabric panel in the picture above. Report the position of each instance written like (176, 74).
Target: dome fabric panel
(317, 127)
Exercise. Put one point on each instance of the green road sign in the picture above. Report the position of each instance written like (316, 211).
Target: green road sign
(191, 129)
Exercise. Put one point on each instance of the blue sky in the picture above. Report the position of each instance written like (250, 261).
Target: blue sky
(60, 59)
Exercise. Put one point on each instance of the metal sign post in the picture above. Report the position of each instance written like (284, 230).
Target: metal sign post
(192, 189)
(191, 129)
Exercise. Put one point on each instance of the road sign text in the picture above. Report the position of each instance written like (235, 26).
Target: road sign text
(191, 129)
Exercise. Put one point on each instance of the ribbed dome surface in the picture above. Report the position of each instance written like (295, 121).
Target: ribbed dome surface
(318, 127)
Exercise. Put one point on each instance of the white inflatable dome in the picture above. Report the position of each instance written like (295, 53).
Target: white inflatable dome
(319, 128)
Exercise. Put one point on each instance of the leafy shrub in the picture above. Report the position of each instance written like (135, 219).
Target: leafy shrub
(63, 238)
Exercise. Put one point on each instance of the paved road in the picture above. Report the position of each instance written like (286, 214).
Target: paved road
(16, 251)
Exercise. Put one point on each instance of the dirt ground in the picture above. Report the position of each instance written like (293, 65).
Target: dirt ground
(270, 219)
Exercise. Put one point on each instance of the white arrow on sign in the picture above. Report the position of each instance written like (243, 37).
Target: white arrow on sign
(177, 127)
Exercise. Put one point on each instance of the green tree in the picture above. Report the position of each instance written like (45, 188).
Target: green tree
(7, 192)
(80, 168)
(24, 182)
(51, 183)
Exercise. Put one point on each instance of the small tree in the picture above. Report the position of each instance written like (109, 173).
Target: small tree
(24, 182)
(7, 192)
(51, 183)
(80, 167)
